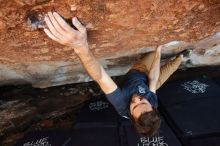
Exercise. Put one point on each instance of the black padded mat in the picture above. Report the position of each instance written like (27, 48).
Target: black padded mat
(76, 137)
(98, 112)
(206, 141)
(185, 90)
(192, 108)
(197, 117)
(217, 80)
(165, 136)
(98, 136)
(49, 138)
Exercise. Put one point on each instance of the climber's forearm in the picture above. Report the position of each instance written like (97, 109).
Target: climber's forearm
(90, 64)
(96, 71)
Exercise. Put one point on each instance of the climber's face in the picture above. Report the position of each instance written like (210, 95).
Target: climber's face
(139, 105)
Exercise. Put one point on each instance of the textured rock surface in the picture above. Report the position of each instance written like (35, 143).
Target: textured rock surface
(117, 30)
(24, 108)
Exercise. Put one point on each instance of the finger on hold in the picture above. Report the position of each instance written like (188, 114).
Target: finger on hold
(56, 24)
(160, 47)
(78, 25)
(52, 29)
(62, 22)
(45, 19)
(48, 22)
(50, 35)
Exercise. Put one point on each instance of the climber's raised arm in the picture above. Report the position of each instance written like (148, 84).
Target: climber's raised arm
(154, 72)
(63, 33)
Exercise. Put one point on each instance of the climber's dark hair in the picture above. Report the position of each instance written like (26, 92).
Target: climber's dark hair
(148, 123)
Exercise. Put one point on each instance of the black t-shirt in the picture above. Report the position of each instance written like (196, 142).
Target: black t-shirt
(135, 83)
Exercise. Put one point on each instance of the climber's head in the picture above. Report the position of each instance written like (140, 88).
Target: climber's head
(146, 119)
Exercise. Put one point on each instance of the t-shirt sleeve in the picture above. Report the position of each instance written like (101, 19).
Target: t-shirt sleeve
(116, 99)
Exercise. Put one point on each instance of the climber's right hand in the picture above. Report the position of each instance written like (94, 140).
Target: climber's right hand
(58, 30)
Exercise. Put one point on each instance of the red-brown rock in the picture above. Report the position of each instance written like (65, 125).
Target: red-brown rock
(116, 29)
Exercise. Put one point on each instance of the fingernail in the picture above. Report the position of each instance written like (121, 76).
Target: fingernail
(74, 18)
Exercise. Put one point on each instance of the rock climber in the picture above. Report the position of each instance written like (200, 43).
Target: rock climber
(136, 99)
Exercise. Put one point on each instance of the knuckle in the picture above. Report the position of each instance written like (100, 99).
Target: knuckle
(83, 29)
(72, 37)
(69, 37)
(63, 25)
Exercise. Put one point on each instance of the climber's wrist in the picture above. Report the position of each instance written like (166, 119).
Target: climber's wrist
(84, 49)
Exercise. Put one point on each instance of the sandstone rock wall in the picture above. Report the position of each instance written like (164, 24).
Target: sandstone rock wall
(118, 32)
